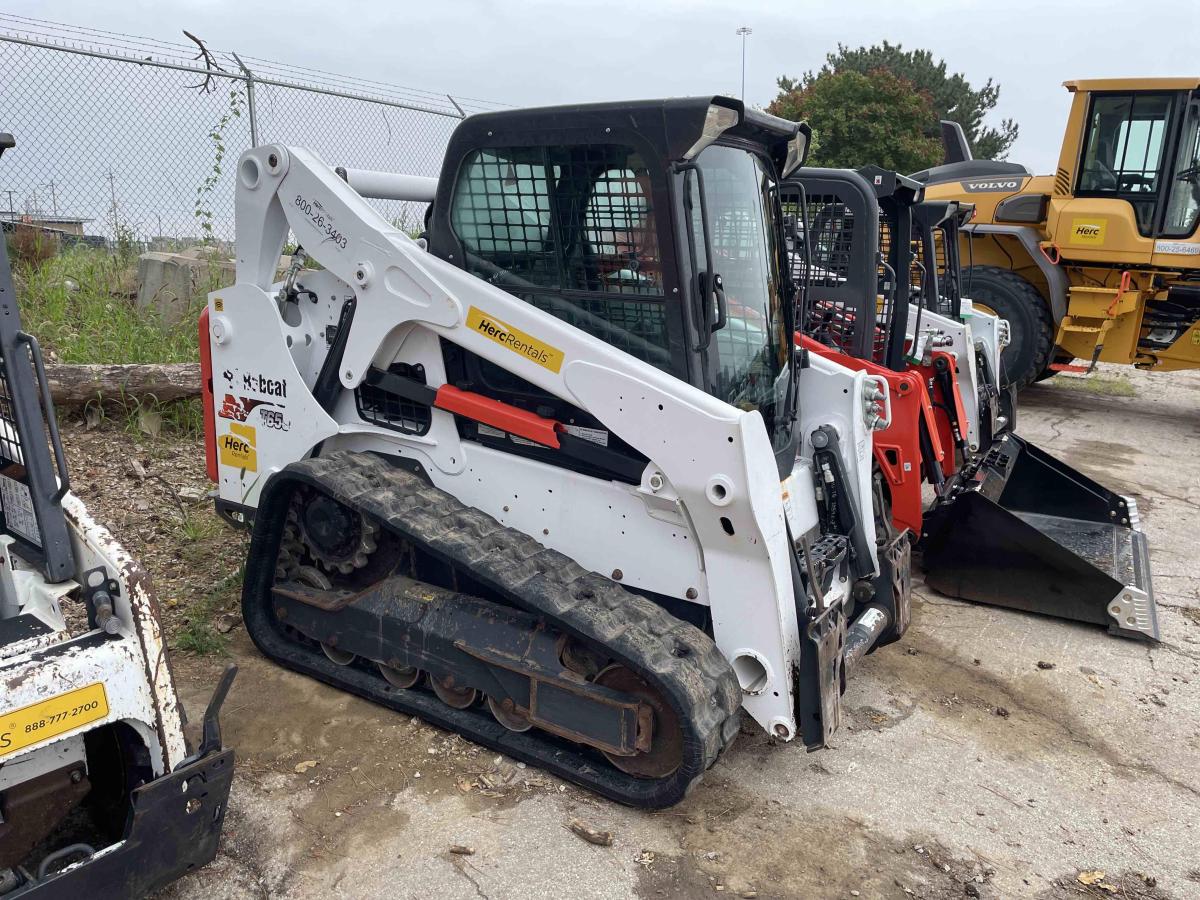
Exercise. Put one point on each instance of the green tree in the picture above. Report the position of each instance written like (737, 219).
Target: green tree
(950, 93)
(858, 119)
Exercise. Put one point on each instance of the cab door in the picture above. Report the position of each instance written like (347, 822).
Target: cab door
(1120, 187)
(1178, 245)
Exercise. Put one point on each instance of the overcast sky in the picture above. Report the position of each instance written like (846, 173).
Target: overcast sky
(526, 52)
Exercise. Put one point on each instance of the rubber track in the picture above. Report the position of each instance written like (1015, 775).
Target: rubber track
(678, 659)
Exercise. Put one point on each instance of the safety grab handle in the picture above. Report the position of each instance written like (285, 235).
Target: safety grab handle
(60, 458)
(886, 421)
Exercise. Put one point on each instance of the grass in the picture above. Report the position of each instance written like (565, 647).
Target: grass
(1099, 384)
(80, 305)
(197, 634)
(97, 321)
(199, 528)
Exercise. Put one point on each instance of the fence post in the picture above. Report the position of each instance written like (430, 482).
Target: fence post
(461, 114)
(249, 100)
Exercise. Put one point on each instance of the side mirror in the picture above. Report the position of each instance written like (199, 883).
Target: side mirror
(6, 142)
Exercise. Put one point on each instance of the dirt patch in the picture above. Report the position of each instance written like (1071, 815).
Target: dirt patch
(1098, 883)
(1101, 455)
(735, 845)
(350, 748)
(151, 492)
(870, 718)
(1022, 716)
(1101, 385)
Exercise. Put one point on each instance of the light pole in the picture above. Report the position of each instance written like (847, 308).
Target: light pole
(53, 195)
(744, 31)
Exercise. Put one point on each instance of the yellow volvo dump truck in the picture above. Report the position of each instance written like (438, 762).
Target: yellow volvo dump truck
(1101, 260)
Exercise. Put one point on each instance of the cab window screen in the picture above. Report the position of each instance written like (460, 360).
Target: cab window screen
(572, 231)
(501, 213)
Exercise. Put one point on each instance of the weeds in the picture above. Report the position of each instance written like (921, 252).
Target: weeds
(203, 207)
(138, 416)
(197, 633)
(198, 528)
(1099, 384)
(147, 415)
(81, 306)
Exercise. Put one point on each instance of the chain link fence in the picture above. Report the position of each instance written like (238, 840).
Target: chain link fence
(129, 140)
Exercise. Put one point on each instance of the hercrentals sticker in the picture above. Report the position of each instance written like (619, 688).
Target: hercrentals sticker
(236, 448)
(514, 339)
(1088, 231)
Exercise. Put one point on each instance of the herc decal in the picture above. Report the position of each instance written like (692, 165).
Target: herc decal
(515, 340)
(236, 447)
(1088, 231)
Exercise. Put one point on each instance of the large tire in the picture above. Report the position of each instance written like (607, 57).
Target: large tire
(1032, 330)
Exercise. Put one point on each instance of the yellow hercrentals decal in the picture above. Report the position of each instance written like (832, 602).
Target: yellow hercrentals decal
(515, 340)
(236, 448)
(1088, 231)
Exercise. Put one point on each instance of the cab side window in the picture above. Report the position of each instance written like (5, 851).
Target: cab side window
(1123, 154)
(501, 213)
(1183, 205)
(571, 230)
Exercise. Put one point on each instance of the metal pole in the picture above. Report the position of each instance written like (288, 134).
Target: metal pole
(54, 197)
(12, 213)
(249, 100)
(112, 187)
(744, 31)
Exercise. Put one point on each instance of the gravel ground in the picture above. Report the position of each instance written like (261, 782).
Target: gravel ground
(989, 754)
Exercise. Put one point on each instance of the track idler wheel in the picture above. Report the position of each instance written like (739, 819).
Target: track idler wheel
(666, 749)
(336, 656)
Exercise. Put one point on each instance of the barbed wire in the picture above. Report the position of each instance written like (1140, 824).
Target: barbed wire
(147, 49)
(165, 123)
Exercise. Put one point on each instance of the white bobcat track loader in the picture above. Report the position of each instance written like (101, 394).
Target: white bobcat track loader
(99, 794)
(554, 477)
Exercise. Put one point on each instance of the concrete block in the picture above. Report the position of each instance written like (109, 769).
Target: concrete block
(172, 282)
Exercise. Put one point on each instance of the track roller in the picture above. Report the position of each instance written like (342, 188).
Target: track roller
(508, 715)
(401, 677)
(454, 696)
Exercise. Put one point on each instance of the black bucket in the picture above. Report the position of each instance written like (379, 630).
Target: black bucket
(1026, 531)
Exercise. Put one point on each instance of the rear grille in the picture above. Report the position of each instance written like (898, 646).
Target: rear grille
(391, 411)
(832, 320)
(1062, 182)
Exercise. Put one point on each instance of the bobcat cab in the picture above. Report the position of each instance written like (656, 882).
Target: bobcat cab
(1101, 260)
